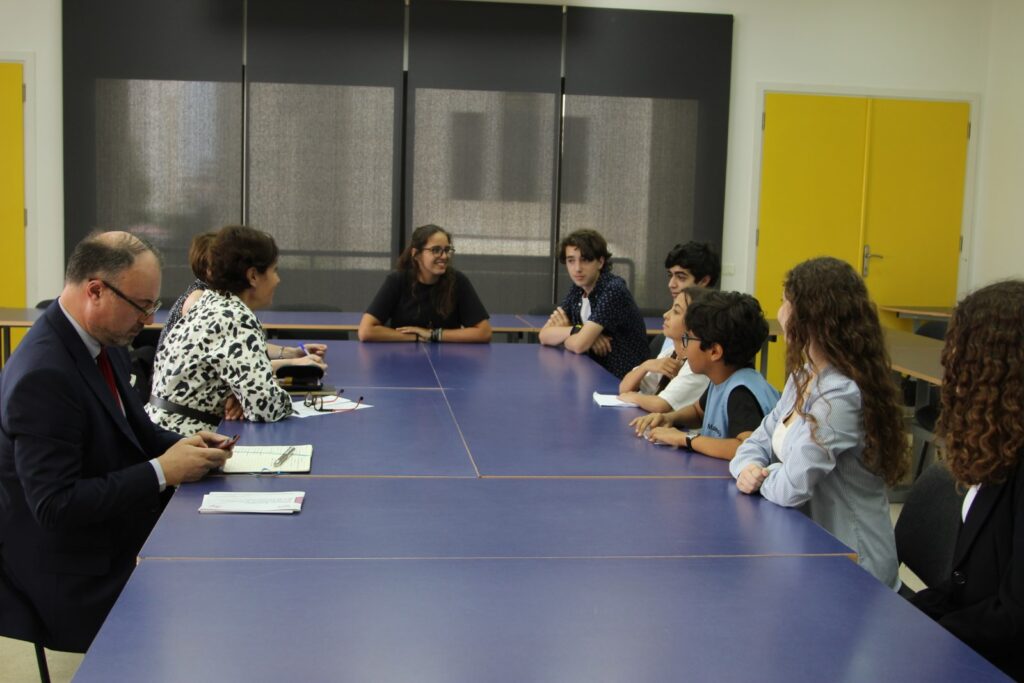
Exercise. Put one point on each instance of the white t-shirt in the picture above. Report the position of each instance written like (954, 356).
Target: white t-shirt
(684, 389)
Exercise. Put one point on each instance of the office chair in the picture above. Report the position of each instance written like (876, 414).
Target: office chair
(928, 525)
(925, 417)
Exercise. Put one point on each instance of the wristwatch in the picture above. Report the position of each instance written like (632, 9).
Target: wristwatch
(689, 440)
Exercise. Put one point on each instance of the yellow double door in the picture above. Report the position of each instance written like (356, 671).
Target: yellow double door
(12, 189)
(876, 182)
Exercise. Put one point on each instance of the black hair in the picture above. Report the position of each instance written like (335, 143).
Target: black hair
(236, 249)
(105, 257)
(591, 244)
(732, 320)
(699, 258)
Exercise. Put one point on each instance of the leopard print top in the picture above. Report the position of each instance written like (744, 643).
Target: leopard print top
(217, 350)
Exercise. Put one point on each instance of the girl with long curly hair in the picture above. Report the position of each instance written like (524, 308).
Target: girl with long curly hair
(425, 298)
(835, 438)
(982, 424)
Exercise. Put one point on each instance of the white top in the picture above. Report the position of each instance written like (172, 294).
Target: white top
(778, 437)
(585, 309)
(968, 500)
(684, 389)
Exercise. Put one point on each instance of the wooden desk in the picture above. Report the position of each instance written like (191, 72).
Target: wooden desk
(915, 356)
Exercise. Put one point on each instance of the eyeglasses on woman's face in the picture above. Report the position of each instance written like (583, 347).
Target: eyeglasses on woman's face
(437, 250)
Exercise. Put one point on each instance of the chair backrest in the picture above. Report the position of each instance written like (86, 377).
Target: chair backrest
(928, 525)
(142, 358)
(935, 329)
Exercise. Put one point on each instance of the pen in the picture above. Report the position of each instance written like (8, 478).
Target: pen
(303, 347)
(284, 456)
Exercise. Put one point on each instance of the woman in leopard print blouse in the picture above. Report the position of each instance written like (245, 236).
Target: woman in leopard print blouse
(219, 350)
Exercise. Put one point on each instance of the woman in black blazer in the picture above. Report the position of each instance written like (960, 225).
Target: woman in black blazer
(982, 422)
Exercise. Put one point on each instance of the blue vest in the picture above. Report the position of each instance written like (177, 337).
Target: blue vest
(716, 410)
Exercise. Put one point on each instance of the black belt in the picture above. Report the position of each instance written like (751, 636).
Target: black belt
(172, 407)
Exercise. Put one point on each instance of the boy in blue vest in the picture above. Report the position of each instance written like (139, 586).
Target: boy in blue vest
(724, 332)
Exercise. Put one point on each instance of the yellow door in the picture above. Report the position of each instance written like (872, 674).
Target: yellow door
(917, 158)
(811, 187)
(12, 189)
(852, 176)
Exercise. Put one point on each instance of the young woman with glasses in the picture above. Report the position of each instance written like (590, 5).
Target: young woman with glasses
(214, 362)
(982, 425)
(425, 298)
(835, 438)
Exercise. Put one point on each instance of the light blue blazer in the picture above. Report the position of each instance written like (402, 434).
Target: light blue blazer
(827, 478)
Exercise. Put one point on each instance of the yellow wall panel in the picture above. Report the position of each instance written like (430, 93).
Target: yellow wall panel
(12, 188)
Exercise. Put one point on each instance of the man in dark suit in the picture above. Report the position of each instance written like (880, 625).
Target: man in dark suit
(83, 472)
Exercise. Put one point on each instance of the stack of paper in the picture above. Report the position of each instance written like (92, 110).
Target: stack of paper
(611, 401)
(263, 458)
(279, 503)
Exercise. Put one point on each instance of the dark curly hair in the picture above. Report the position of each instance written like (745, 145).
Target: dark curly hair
(732, 320)
(591, 244)
(699, 258)
(234, 250)
(982, 416)
(830, 308)
(442, 294)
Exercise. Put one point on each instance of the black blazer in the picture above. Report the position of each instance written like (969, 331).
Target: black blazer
(77, 494)
(982, 600)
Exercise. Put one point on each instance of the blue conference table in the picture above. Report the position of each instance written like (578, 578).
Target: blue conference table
(790, 619)
(477, 410)
(355, 518)
(495, 524)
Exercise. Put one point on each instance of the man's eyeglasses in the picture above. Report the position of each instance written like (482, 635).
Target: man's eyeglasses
(146, 311)
(437, 250)
(687, 338)
(323, 404)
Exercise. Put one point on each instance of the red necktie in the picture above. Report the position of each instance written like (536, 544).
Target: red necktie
(103, 363)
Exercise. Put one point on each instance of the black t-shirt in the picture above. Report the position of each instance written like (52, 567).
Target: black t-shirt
(398, 305)
(744, 411)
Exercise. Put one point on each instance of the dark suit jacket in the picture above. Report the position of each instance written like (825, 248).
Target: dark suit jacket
(77, 494)
(982, 601)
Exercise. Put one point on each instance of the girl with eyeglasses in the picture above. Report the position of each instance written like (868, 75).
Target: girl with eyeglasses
(425, 298)
(669, 393)
(982, 424)
(724, 330)
(835, 438)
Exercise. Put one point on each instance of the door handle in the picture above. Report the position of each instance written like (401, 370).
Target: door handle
(867, 259)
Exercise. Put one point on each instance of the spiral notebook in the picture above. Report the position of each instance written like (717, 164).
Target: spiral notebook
(256, 459)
